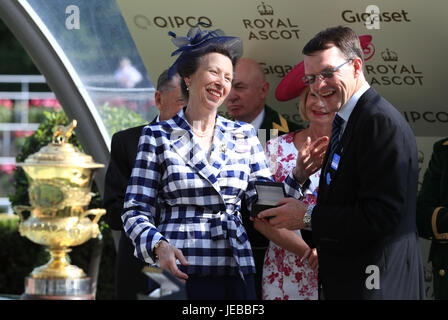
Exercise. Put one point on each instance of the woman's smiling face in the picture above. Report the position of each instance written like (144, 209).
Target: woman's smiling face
(212, 81)
(317, 111)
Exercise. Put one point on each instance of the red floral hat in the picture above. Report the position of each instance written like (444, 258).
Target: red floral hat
(291, 85)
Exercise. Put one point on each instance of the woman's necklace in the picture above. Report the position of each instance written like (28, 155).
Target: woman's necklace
(208, 133)
(204, 138)
(203, 134)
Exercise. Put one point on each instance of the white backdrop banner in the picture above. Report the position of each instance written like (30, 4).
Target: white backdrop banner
(406, 61)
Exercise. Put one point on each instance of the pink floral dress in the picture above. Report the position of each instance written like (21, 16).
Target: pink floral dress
(284, 276)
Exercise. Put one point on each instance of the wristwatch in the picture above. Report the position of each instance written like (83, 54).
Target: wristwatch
(307, 216)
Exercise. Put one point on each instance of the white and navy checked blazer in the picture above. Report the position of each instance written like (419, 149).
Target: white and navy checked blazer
(199, 197)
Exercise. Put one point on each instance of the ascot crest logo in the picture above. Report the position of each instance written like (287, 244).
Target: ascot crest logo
(267, 27)
(265, 10)
(389, 56)
(392, 73)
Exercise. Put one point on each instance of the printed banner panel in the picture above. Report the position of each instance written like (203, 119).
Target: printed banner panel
(405, 61)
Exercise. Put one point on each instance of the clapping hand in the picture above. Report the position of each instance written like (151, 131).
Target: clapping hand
(309, 158)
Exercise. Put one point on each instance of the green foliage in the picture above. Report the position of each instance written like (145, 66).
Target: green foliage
(118, 118)
(6, 186)
(14, 58)
(18, 256)
(81, 256)
(6, 114)
(36, 114)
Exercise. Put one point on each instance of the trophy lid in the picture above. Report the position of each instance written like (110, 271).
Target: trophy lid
(58, 153)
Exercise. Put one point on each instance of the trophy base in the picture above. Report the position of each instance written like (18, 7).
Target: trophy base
(43, 297)
(58, 267)
(57, 289)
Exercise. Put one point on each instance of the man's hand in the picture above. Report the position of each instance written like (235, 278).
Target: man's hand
(309, 158)
(289, 214)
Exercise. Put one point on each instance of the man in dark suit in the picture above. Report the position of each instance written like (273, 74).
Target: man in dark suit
(129, 279)
(364, 220)
(432, 216)
(247, 102)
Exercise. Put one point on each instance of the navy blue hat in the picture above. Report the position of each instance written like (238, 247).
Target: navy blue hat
(198, 40)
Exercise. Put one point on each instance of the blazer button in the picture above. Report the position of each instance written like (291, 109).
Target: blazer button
(442, 272)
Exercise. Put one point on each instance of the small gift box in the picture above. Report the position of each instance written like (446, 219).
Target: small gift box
(268, 195)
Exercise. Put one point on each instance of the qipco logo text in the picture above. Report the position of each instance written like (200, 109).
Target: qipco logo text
(144, 22)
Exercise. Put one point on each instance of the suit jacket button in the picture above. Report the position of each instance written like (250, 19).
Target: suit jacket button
(442, 272)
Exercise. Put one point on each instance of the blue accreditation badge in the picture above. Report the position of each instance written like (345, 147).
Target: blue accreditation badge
(335, 161)
(328, 178)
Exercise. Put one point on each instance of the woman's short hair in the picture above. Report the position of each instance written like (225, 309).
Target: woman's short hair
(189, 64)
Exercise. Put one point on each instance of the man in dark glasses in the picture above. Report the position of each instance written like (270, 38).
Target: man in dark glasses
(364, 224)
(325, 74)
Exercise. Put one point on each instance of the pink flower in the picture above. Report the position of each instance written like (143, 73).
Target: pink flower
(35, 102)
(20, 133)
(7, 168)
(8, 104)
(47, 103)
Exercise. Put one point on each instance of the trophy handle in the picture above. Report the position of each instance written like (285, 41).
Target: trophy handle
(98, 213)
(19, 209)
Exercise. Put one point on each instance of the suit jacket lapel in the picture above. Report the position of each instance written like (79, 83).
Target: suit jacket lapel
(191, 152)
(344, 142)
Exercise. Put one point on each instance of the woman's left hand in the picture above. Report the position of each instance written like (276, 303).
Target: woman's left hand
(311, 255)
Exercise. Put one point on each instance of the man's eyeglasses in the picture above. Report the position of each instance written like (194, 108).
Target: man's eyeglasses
(326, 74)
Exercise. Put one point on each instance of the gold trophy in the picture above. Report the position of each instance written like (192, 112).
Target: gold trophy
(60, 179)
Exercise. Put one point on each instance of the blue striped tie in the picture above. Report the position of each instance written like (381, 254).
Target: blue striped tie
(335, 134)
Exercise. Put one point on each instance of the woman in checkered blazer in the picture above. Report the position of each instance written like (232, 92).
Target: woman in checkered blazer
(197, 167)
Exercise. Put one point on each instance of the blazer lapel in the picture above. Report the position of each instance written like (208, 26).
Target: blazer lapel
(221, 147)
(352, 120)
(183, 143)
(344, 143)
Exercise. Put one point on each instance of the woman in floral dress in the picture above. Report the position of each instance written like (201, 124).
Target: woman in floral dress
(292, 275)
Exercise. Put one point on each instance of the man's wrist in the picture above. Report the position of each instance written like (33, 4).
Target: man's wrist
(307, 216)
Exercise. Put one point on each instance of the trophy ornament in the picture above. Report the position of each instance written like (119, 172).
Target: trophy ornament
(62, 134)
(60, 178)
